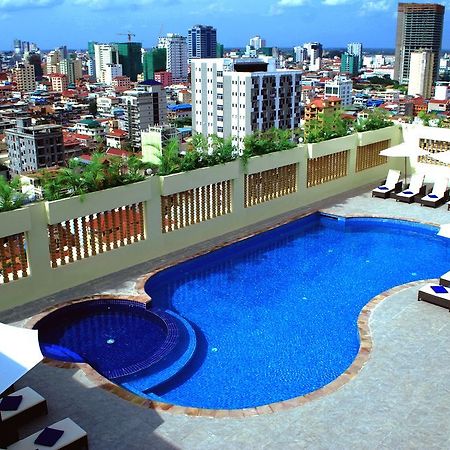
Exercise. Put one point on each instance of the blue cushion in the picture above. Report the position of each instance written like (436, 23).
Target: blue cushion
(49, 437)
(432, 196)
(383, 188)
(439, 289)
(10, 403)
(408, 192)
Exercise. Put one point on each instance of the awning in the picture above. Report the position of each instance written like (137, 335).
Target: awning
(19, 353)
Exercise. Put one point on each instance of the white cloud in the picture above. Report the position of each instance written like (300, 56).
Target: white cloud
(335, 2)
(22, 4)
(377, 5)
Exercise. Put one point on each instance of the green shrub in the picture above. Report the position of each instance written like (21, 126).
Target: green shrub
(11, 196)
(377, 119)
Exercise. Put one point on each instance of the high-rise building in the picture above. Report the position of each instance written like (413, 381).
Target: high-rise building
(235, 98)
(356, 49)
(34, 147)
(153, 61)
(130, 56)
(52, 61)
(421, 74)
(257, 42)
(340, 87)
(202, 41)
(104, 54)
(314, 52)
(145, 106)
(17, 46)
(349, 63)
(110, 72)
(72, 68)
(177, 56)
(91, 61)
(219, 50)
(419, 27)
(299, 54)
(24, 77)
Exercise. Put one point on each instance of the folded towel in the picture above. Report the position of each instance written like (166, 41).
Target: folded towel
(408, 192)
(433, 196)
(49, 437)
(439, 289)
(383, 188)
(11, 403)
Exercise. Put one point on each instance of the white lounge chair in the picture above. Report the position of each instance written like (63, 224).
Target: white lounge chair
(32, 405)
(445, 279)
(436, 294)
(416, 188)
(390, 185)
(438, 196)
(74, 437)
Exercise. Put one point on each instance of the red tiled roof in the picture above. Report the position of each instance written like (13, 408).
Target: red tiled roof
(117, 133)
(117, 152)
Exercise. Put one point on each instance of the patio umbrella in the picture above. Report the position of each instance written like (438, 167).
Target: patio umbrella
(405, 150)
(19, 353)
(443, 157)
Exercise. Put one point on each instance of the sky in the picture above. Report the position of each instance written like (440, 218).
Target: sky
(283, 23)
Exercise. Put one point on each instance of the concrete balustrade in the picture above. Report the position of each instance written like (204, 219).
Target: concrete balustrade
(111, 205)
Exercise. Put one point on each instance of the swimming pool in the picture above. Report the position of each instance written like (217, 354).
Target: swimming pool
(276, 315)
(263, 320)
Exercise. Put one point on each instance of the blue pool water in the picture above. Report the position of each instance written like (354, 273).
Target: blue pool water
(276, 315)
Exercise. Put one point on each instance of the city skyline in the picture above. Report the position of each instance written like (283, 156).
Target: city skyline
(75, 23)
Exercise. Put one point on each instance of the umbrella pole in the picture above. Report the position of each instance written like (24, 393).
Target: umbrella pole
(406, 174)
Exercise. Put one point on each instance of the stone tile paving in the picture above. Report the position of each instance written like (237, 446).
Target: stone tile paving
(400, 399)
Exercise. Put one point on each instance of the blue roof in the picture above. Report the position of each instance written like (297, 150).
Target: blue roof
(179, 107)
(149, 83)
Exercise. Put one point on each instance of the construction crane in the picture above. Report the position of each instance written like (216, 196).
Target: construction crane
(129, 34)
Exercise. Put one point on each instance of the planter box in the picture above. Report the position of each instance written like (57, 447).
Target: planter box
(332, 146)
(69, 208)
(274, 160)
(14, 222)
(179, 182)
(383, 134)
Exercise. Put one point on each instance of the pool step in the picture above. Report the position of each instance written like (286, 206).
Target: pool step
(143, 382)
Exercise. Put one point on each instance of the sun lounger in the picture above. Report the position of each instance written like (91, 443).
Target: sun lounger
(436, 294)
(416, 189)
(31, 405)
(438, 196)
(74, 437)
(389, 186)
(445, 279)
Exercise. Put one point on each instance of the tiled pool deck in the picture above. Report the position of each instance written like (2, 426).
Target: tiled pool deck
(399, 400)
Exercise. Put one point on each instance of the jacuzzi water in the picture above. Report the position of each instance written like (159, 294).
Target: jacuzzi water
(276, 315)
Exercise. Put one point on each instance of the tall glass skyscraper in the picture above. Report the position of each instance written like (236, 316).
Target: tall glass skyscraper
(419, 28)
(202, 41)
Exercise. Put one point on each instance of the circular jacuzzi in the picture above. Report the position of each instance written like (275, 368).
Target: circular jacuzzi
(118, 338)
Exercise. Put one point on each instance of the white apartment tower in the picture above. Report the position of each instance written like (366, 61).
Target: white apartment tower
(235, 98)
(299, 54)
(145, 106)
(52, 62)
(340, 87)
(314, 54)
(104, 54)
(257, 42)
(421, 74)
(177, 56)
(110, 72)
